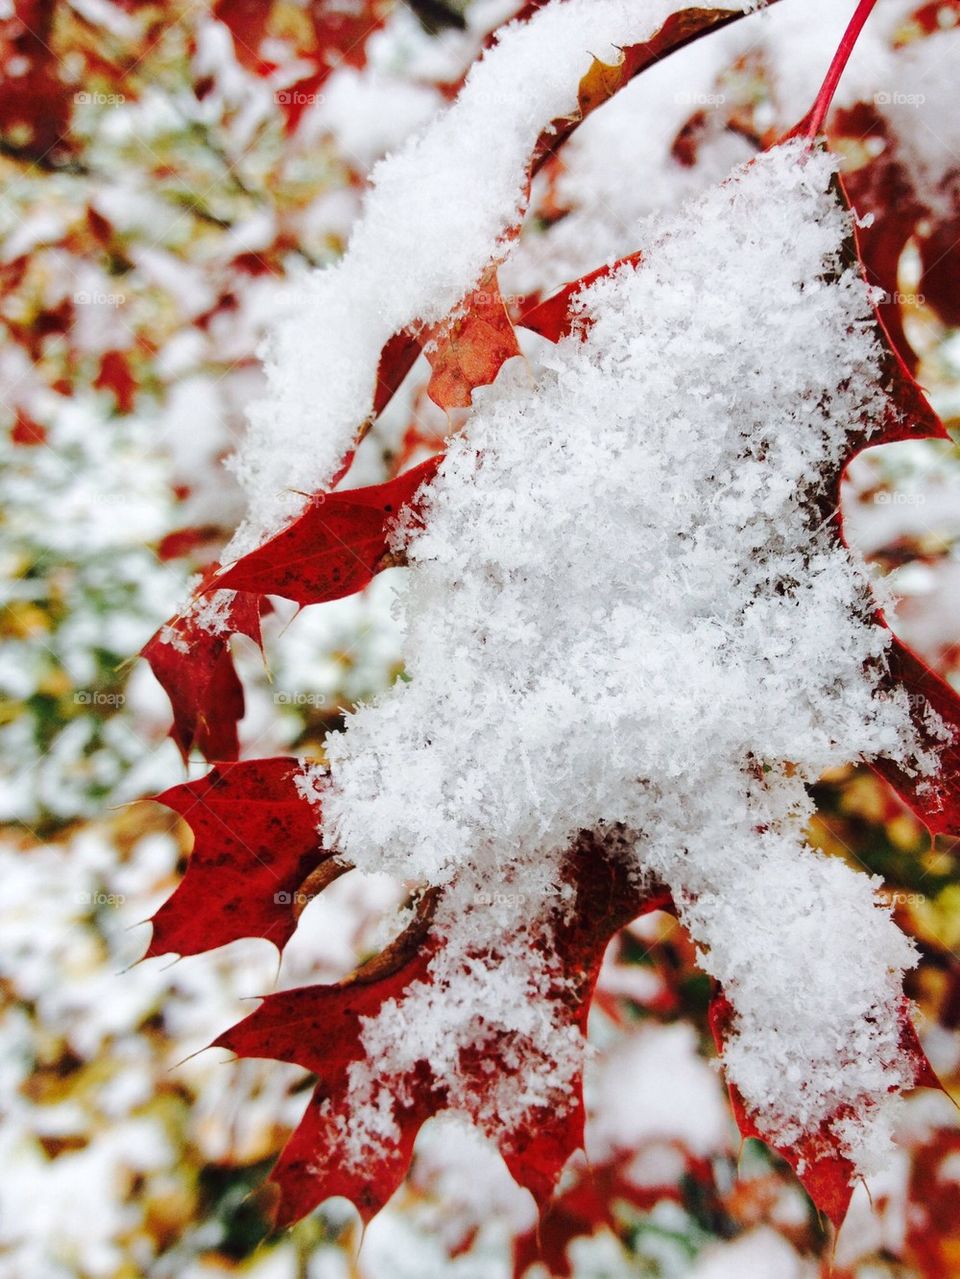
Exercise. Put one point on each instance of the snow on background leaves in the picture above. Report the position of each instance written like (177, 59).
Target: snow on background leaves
(634, 561)
(142, 259)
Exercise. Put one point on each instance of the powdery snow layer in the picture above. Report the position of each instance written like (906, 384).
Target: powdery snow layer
(432, 222)
(622, 165)
(624, 608)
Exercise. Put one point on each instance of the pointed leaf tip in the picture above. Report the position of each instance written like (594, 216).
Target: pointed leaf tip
(256, 844)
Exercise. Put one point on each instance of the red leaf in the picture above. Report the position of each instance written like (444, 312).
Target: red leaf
(305, 93)
(603, 80)
(469, 350)
(319, 1027)
(554, 318)
(27, 432)
(483, 350)
(933, 1208)
(880, 189)
(935, 800)
(338, 38)
(585, 1205)
(537, 1154)
(186, 541)
(936, 15)
(115, 376)
(340, 31)
(940, 263)
(193, 663)
(486, 352)
(247, 21)
(825, 1174)
(34, 101)
(396, 361)
(580, 1211)
(824, 1171)
(255, 847)
(334, 548)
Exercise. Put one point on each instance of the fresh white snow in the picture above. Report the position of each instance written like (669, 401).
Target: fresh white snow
(624, 608)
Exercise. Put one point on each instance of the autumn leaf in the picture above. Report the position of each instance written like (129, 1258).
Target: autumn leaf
(472, 345)
(396, 361)
(27, 432)
(247, 21)
(586, 1204)
(879, 188)
(895, 207)
(554, 317)
(825, 1173)
(578, 1212)
(934, 15)
(115, 376)
(469, 349)
(934, 800)
(331, 35)
(35, 104)
(320, 1028)
(933, 1206)
(335, 547)
(817, 1158)
(191, 658)
(603, 80)
(256, 862)
(477, 338)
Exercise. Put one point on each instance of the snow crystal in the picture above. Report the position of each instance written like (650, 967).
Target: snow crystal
(493, 990)
(211, 612)
(626, 608)
(310, 782)
(435, 217)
